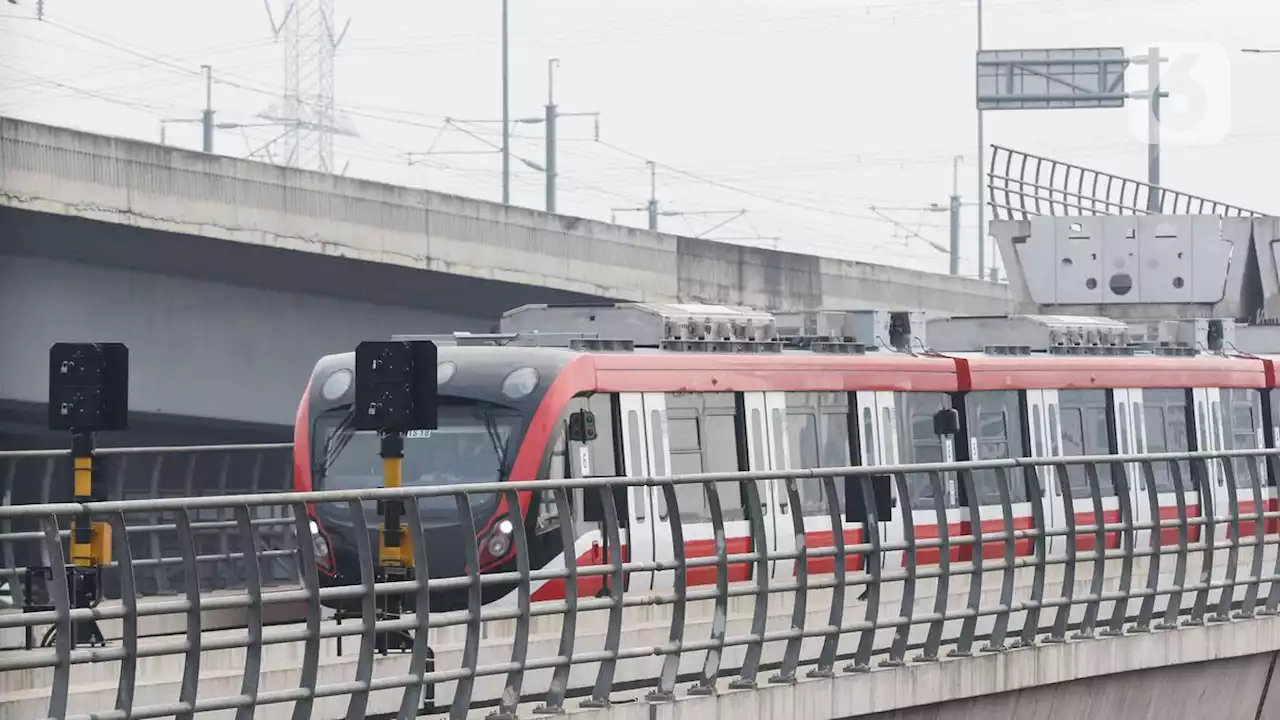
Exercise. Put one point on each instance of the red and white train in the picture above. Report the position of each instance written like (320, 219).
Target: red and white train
(689, 389)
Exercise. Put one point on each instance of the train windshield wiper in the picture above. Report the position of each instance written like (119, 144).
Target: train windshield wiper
(495, 436)
(336, 441)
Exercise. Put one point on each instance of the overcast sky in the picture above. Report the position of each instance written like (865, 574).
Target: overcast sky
(805, 113)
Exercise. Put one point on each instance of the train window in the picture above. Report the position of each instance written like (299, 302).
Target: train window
(686, 459)
(994, 429)
(1201, 428)
(802, 438)
(888, 457)
(725, 401)
(1244, 428)
(915, 412)
(835, 451)
(870, 454)
(720, 454)
(1215, 421)
(802, 434)
(1271, 432)
(818, 437)
(1274, 397)
(1165, 422)
(637, 446)
(1037, 431)
(658, 442)
(684, 437)
(1085, 432)
(603, 451)
(702, 430)
(1054, 450)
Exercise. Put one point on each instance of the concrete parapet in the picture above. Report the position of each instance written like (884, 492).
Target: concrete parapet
(127, 182)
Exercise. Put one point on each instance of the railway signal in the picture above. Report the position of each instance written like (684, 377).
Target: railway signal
(395, 392)
(88, 393)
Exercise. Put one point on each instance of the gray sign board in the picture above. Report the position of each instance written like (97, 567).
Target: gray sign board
(1051, 78)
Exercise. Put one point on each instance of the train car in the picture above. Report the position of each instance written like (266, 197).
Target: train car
(678, 389)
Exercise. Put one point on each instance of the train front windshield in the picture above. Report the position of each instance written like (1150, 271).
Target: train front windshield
(472, 444)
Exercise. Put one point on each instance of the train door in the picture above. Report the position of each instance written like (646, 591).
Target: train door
(1087, 423)
(1208, 422)
(1239, 413)
(703, 437)
(641, 510)
(656, 422)
(761, 451)
(992, 423)
(1046, 441)
(1130, 432)
(1271, 419)
(1166, 419)
(919, 414)
(1271, 433)
(877, 426)
(817, 426)
(782, 538)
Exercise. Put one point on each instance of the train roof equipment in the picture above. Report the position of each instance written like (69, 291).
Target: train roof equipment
(630, 326)
(1080, 335)
(716, 328)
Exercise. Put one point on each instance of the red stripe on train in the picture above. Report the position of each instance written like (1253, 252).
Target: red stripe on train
(587, 586)
(1088, 541)
(994, 549)
(703, 575)
(1249, 528)
(933, 555)
(826, 539)
(1169, 535)
(706, 574)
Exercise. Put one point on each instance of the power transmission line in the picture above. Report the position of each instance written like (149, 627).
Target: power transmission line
(404, 115)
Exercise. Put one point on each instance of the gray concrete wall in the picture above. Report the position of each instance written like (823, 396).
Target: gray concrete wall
(1219, 671)
(1243, 688)
(722, 273)
(197, 348)
(141, 185)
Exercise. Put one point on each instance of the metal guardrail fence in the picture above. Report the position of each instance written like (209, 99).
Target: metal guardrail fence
(1039, 592)
(1021, 185)
(40, 476)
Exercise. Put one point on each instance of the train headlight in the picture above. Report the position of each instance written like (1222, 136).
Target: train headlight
(499, 541)
(520, 382)
(319, 545)
(445, 371)
(336, 385)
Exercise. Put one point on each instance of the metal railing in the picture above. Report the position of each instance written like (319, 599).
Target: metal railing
(937, 598)
(1021, 185)
(42, 476)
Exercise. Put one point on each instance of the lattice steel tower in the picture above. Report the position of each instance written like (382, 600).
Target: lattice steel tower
(307, 108)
